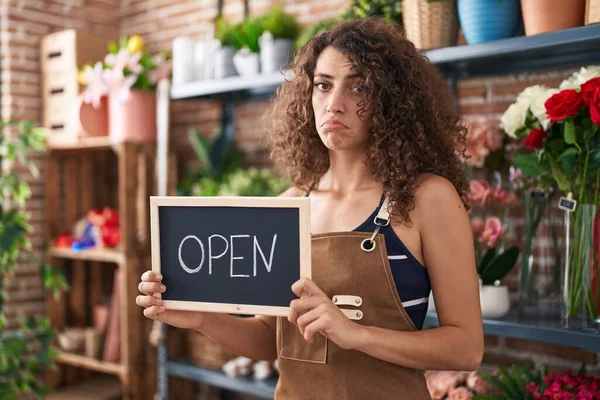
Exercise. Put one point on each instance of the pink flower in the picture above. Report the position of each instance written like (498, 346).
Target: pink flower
(117, 82)
(491, 232)
(477, 225)
(503, 197)
(439, 383)
(479, 192)
(460, 393)
(123, 60)
(96, 85)
(483, 137)
(477, 384)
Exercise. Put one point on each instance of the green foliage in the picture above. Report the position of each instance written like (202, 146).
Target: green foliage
(224, 31)
(391, 10)
(280, 24)
(214, 167)
(246, 35)
(512, 383)
(254, 182)
(27, 352)
(494, 266)
(314, 29)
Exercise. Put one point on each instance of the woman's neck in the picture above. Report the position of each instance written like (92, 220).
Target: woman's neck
(347, 174)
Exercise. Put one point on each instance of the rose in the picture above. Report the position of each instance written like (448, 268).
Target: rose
(536, 96)
(563, 104)
(589, 89)
(580, 77)
(513, 118)
(535, 138)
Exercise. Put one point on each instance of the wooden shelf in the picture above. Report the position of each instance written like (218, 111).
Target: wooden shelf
(97, 388)
(103, 142)
(103, 255)
(78, 360)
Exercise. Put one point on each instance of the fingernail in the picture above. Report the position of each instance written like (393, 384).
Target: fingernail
(159, 277)
(163, 287)
(159, 302)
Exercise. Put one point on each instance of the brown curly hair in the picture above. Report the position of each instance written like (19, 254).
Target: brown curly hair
(414, 125)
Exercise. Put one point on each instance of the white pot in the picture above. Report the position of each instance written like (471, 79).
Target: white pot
(246, 63)
(274, 53)
(183, 60)
(224, 62)
(495, 301)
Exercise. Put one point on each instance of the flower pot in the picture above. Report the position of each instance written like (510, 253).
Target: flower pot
(246, 63)
(430, 25)
(487, 20)
(581, 273)
(541, 16)
(183, 60)
(541, 256)
(274, 53)
(494, 301)
(87, 121)
(224, 66)
(132, 119)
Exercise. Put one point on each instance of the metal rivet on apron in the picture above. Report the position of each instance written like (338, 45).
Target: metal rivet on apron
(335, 299)
(358, 302)
(358, 314)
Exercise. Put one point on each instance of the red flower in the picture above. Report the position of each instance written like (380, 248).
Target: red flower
(595, 107)
(535, 139)
(563, 104)
(589, 90)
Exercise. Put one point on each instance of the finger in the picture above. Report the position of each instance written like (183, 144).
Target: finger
(315, 327)
(306, 286)
(302, 305)
(309, 317)
(153, 311)
(147, 301)
(149, 288)
(151, 276)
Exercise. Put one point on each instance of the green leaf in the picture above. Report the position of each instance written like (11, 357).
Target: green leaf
(558, 174)
(487, 257)
(500, 266)
(569, 131)
(529, 164)
(113, 48)
(589, 133)
(568, 152)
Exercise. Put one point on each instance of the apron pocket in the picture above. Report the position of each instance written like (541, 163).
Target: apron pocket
(295, 347)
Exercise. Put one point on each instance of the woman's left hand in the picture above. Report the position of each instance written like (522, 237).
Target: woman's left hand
(314, 312)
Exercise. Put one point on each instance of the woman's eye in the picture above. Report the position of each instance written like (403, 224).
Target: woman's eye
(358, 89)
(321, 85)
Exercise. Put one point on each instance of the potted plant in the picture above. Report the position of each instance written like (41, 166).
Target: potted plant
(128, 77)
(247, 58)
(562, 127)
(280, 31)
(224, 52)
(430, 24)
(390, 10)
(27, 352)
(486, 20)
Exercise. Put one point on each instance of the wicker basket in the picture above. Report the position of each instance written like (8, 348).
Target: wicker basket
(592, 12)
(430, 25)
(206, 353)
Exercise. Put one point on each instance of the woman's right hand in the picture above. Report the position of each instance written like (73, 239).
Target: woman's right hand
(154, 308)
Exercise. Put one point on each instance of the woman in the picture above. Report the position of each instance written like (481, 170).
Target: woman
(367, 130)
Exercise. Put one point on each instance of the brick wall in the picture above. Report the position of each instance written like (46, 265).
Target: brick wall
(22, 26)
(159, 22)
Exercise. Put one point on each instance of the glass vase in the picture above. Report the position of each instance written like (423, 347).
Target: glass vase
(580, 283)
(541, 256)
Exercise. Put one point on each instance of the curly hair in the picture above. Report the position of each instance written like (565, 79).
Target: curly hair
(414, 127)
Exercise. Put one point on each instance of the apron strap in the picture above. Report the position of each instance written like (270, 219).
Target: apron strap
(381, 219)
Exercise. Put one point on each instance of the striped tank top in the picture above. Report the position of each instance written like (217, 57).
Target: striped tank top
(410, 276)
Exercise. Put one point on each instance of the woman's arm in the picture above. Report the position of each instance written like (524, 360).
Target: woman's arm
(448, 253)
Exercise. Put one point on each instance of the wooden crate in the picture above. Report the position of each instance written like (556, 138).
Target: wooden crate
(79, 178)
(592, 12)
(61, 55)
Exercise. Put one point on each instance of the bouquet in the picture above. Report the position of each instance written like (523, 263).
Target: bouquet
(561, 127)
(126, 66)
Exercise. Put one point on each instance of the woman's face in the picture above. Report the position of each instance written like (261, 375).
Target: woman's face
(335, 98)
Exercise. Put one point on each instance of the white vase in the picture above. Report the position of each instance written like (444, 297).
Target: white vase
(183, 60)
(246, 63)
(274, 53)
(494, 300)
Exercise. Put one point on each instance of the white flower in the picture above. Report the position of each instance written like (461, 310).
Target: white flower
(578, 78)
(537, 96)
(514, 118)
(96, 84)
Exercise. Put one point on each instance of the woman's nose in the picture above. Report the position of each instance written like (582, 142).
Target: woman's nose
(336, 102)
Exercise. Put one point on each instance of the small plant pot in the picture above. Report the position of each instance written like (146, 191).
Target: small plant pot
(224, 66)
(494, 300)
(247, 63)
(274, 53)
(487, 20)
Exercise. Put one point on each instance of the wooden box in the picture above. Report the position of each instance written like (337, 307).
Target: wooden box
(592, 12)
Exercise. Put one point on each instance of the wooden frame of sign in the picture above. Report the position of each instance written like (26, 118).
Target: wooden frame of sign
(302, 204)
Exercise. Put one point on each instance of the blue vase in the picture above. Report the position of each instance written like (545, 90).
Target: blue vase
(486, 20)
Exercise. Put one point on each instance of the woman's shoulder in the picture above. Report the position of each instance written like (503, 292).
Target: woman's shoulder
(293, 192)
(434, 194)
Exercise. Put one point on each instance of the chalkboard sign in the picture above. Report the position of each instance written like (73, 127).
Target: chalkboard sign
(230, 254)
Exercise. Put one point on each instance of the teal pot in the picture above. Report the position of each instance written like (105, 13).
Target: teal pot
(487, 20)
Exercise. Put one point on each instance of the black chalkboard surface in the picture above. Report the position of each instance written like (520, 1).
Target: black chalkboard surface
(230, 254)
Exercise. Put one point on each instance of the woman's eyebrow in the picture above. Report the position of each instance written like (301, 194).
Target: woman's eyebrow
(349, 76)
